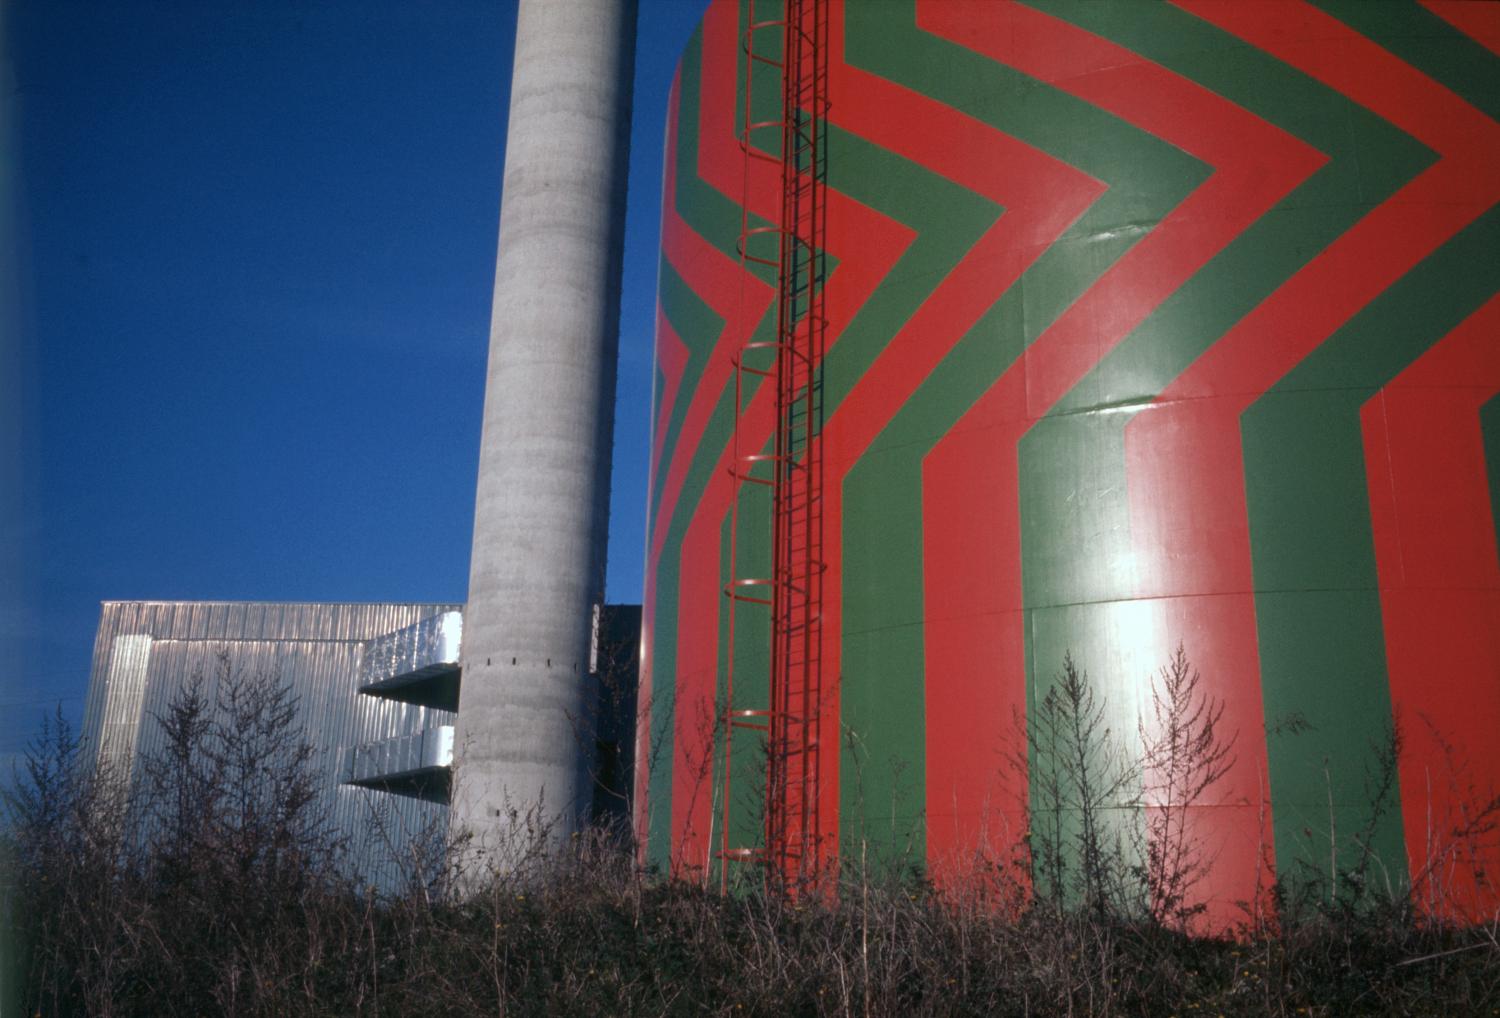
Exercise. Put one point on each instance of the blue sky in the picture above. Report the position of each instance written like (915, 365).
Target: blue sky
(250, 252)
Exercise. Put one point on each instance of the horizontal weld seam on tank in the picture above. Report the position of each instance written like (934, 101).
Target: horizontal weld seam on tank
(887, 629)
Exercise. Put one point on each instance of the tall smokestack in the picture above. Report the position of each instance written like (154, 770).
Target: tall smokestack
(540, 523)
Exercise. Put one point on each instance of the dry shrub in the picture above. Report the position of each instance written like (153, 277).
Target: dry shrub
(240, 903)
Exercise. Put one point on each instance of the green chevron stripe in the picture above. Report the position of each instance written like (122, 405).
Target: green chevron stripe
(1428, 43)
(752, 635)
(875, 178)
(715, 218)
(883, 643)
(1064, 541)
(1489, 424)
(709, 212)
(946, 219)
(668, 606)
(879, 711)
(1367, 157)
(698, 326)
(1321, 639)
(946, 228)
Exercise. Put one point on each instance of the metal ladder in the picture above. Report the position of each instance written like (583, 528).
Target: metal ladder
(792, 471)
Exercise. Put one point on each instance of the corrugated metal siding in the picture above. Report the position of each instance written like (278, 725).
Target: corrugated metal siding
(146, 652)
(125, 696)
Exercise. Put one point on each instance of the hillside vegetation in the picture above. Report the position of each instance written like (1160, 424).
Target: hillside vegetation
(214, 888)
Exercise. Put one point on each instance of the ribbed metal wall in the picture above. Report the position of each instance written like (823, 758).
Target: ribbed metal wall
(147, 651)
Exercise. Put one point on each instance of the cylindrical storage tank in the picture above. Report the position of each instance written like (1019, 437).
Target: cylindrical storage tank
(524, 742)
(1148, 326)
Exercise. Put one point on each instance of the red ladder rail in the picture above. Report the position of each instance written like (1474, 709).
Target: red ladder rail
(793, 469)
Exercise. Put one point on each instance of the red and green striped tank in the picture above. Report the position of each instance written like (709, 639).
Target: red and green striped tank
(1148, 324)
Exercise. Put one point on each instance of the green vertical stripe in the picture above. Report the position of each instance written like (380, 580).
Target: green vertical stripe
(883, 644)
(1368, 161)
(1322, 644)
(668, 599)
(752, 662)
(880, 682)
(1489, 423)
(722, 701)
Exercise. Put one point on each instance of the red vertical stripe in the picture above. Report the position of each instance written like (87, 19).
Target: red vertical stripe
(1435, 548)
(875, 245)
(1041, 197)
(1188, 518)
(1255, 165)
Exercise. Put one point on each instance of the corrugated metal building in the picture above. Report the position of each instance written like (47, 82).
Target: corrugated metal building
(147, 652)
(377, 693)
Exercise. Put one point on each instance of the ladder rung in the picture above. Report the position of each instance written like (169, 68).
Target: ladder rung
(793, 467)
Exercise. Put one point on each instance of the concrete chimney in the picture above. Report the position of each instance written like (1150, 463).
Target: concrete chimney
(524, 743)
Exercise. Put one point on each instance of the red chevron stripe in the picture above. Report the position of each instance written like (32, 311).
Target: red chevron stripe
(1044, 197)
(1435, 549)
(1381, 247)
(1385, 244)
(974, 543)
(1189, 515)
(861, 268)
(1479, 21)
(1041, 197)
(711, 274)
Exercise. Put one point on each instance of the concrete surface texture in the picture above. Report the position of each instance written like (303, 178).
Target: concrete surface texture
(524, 740)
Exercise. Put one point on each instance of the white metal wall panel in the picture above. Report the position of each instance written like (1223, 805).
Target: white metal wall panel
(147, 652)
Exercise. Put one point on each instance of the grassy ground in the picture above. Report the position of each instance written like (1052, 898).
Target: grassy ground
(589, 934)
(214, 888)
